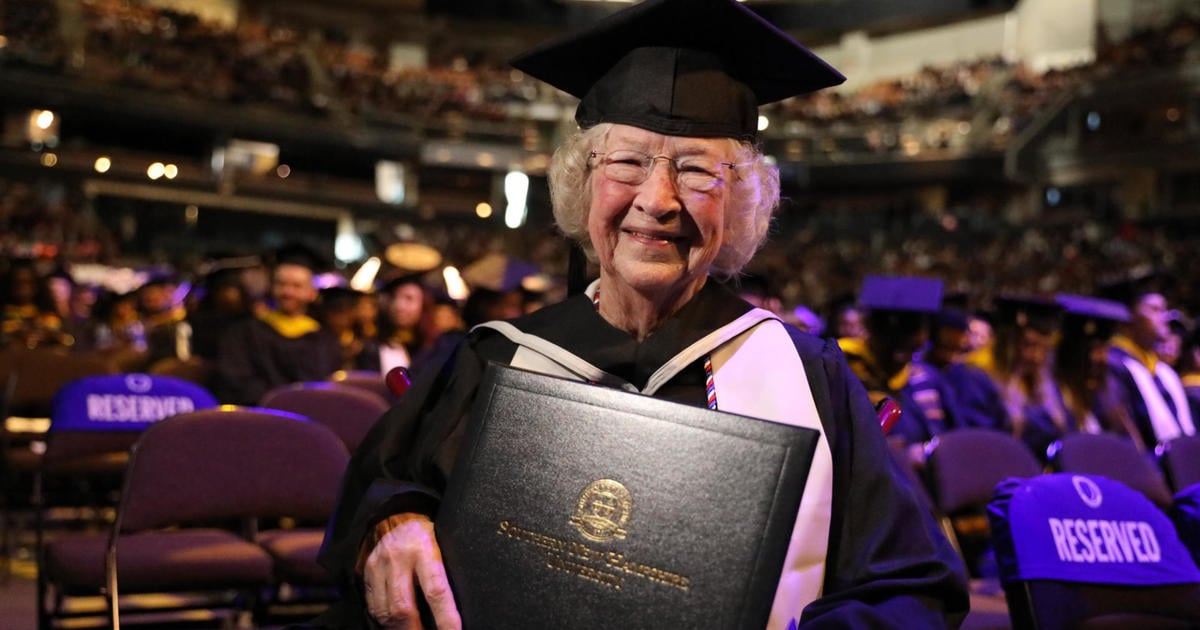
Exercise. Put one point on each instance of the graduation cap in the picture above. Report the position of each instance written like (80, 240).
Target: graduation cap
(300, 255)
(696, 68)
(1130, 289)
(901, 293)
(1090, 317)
(1025, 311)
(335, 299)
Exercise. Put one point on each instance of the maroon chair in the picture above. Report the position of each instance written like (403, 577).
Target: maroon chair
(1111, 456)
(963, 467)
(349, 411)
(187, 474)
(1180, 461)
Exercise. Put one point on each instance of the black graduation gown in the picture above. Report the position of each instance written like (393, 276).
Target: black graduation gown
(887, 564)
(254, 358)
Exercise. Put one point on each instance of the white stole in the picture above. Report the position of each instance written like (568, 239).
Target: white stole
(1167, 425)
(754, 375)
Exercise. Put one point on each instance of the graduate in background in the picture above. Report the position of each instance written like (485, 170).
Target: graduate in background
(1145, 388)
(899, 313)
(1081, 362)
(977, 398)
(282, 345)
(1026, 335)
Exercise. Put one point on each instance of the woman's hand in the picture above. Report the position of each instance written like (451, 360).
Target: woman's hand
(406, 557)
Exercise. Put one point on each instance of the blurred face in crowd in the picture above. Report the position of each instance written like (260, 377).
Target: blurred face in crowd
(366, 310)
(1150, 324)
(979, 334)
(292, 288)
(948, 345)
(156, 298)
(23, 287)
(656, 237)
(404, 305)
(446, 318)
(1033, 350)
(850, 324)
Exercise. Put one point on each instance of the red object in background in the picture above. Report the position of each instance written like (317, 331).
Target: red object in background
(397, 380)
(888, 412)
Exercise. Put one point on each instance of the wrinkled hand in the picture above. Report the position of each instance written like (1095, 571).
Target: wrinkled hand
(408, 556)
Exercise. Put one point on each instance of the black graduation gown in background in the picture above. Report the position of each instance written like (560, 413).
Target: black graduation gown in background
(254, 358)
(887, 564)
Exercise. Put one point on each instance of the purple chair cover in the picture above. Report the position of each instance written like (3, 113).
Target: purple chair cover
(1084, 529)
(1111, 456)
(124, 402)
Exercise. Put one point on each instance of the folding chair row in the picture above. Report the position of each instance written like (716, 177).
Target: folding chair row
(188, 475)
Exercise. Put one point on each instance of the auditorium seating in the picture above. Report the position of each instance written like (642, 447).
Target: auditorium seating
(1085, 552)
(962, 468)
(349, 411)
(1180, 461)
(1114, 457)
(187, 476)
(35, 376)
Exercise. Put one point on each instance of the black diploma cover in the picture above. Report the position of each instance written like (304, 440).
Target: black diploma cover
(578, 506)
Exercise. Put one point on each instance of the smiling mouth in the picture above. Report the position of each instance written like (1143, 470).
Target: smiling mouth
(659, 238)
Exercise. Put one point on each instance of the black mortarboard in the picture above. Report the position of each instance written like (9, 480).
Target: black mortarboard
(1129, 290)
(951, 319)
(696, 68)
(301, 255)
(339, 298)
(901, 293)
(1023, 311)
(1086, 316)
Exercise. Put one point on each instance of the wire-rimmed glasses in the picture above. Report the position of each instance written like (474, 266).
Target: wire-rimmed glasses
(699, 173)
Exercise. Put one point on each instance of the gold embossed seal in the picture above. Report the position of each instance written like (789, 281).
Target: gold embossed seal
(602, 510)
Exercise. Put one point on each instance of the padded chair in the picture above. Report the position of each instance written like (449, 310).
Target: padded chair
(94, 422)
(1111, 456)
(349, 411)
(187, 473)
(1180, 461)
(963, 467)
(1047, 589)
(365, 379)
(35, 377)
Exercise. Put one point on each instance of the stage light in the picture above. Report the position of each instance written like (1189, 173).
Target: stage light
(483, 210)
(103, 163)
(156, 170)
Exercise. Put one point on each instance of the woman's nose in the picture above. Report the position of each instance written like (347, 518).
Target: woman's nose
(659, 194)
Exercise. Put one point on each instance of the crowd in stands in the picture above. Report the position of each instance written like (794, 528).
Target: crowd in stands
(965, 106)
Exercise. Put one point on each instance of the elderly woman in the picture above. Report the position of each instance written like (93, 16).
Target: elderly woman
(665, 189)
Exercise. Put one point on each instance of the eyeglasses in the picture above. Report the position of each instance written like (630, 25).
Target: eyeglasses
(693, 172)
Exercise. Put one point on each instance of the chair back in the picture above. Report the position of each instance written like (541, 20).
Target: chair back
(1079, 549)
(1185, 513)
(101, 414)
(964, 466)
(38, 374)
(193, 369)
(1111, 456)
(349, 411)
(231, 463)
(364, 379)
(1180, 461)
